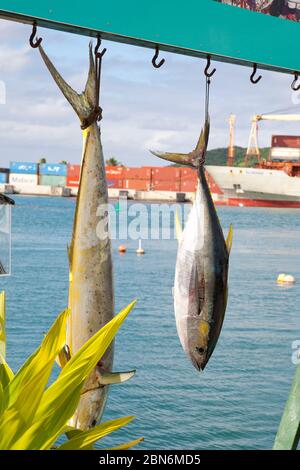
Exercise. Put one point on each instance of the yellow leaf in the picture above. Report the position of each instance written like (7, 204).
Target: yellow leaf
(2, 405)
(24, 407)
(85, 439)
(128, 445)
(48, 350)
(6, 374)
(61, 398)
(2, 325)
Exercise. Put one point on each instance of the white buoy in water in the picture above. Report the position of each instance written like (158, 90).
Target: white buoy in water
(285, 279)
(140, 250)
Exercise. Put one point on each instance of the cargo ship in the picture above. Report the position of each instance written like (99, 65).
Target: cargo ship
(274, 182)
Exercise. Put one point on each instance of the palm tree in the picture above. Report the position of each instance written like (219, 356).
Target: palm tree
(112, 162)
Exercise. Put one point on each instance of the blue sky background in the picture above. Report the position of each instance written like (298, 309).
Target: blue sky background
(142, 107)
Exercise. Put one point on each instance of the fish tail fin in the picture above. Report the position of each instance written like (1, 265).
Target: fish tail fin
(178, 226)
(229, 239)
(84, 103)
(194, 159)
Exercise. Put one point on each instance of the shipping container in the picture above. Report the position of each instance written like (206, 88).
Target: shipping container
(138, 185)
(114, 172)
(142, 173)
(188, 174)
(73, 175)
(166, 173)
(188, 186)
(158, 185)
(52, 180)
(285, 153)
(286, 141)
(114, 183)
(24, 168)
(3, 178)
(58, 169)
(18, 178)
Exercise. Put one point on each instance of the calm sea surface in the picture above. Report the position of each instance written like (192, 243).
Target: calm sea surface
(237, 402)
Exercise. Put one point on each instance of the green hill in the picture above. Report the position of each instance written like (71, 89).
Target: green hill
(219, 156)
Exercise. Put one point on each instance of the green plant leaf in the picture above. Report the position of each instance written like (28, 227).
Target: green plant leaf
(2, 325)
(128, 445)
(48, 350)
(18, 417)
(61, 398)
(84, 439)
(6, 374)
(1, 400)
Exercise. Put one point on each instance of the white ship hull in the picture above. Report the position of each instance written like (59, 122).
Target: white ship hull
(255, 186)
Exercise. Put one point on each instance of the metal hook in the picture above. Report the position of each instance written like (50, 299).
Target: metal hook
(155, 57)
(99, 54)
(206, 72)
(252, 79)
(37, 41)
(295, 88)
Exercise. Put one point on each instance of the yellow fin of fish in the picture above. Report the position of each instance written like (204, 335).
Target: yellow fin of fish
(109, 378)
(229, 239)
(64, 356)
(178, 227)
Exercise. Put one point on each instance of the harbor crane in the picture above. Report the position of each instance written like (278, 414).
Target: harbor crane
(253, 149)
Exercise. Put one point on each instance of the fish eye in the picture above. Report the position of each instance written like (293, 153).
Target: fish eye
(200, 350)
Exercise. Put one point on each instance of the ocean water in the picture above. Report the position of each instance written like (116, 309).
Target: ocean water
(237, 402)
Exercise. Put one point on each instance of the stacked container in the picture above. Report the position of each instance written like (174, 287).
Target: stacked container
(114, 176)
(53, 174)
(188, 180)
(73, 176)
(23, 173)
(137, 178)
(165, 179)
(4, 175)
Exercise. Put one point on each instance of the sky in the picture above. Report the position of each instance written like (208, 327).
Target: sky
(143, 108)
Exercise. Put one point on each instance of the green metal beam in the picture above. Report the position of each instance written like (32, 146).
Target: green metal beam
(195, 28)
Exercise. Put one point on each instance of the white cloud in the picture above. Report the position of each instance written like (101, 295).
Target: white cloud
(142, 107)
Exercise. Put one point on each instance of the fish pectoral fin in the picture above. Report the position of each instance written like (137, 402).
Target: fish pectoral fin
(110, 378)
(64, 356)
(178, 227)
(229, 239)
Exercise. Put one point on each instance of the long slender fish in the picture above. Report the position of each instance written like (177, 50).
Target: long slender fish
(200, 288)
(91, 293)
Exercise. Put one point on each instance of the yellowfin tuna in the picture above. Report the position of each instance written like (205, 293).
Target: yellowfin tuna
(200, 288)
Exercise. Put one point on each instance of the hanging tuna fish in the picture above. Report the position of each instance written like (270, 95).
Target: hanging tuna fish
(91, 295)
(200, 288)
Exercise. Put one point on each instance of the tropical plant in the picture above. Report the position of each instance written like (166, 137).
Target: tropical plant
(32, 415)
(113, 162)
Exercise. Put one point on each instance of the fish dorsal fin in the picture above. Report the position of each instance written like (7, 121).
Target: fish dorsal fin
(109, 378)
(178, 226)
(229, 239)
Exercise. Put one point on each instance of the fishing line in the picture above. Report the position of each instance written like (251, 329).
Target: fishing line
(207, 90)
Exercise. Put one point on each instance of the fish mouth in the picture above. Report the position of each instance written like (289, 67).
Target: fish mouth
(199, 365)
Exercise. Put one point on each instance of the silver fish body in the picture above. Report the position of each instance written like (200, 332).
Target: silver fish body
(200, 288)
(91, 294)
